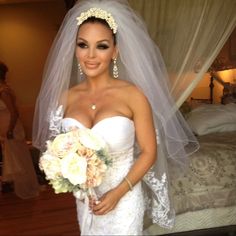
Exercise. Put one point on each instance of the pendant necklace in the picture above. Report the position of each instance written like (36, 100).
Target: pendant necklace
(93, 106)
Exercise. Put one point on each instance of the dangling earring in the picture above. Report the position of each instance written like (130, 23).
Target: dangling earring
(80, 70)
(115, 69)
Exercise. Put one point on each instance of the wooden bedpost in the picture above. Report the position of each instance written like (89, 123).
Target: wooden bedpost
(211, 85)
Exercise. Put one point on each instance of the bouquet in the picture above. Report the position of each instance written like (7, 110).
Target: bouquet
(76, 162)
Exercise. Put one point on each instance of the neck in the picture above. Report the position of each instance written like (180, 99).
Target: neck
(96, 89)
(99, 83)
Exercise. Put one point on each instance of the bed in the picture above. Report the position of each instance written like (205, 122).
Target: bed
(204, 195)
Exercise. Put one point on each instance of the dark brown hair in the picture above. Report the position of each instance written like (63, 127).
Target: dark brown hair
(93, 19)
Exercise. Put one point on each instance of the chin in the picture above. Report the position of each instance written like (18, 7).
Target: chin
(93, 74)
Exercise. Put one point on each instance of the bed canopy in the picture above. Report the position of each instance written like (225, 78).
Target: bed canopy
(190, 35)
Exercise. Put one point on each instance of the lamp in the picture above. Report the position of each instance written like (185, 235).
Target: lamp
(229, 89)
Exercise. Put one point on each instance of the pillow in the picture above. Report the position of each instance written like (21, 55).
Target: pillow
(185, 109)
(212, 118)
(196, 102)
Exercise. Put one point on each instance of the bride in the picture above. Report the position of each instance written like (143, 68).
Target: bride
(119, 92)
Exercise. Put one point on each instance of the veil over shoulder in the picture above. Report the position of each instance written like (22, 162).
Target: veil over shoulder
(139, 62)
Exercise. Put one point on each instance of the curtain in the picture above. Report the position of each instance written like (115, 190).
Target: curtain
(190, 34)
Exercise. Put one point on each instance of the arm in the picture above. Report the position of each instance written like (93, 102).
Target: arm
(8, 99)
(146, 137)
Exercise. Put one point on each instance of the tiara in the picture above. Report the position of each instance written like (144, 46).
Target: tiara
(98, 13)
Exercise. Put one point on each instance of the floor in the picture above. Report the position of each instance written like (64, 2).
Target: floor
(49, 214)
(53, 214)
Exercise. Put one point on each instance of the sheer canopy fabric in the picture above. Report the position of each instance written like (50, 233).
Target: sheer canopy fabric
(190, 35)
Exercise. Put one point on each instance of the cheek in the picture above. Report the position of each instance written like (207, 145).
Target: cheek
(107, 57)
(107, 60)
(79, 54)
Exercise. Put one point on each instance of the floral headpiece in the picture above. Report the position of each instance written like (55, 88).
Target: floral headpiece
(98, 13)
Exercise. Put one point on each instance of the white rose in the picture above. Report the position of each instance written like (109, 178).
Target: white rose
(64, 144)
(51, 165)
(91, 140)
(74, 168)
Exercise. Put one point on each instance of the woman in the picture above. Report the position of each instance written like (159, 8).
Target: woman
(17, 164)
(121, 94)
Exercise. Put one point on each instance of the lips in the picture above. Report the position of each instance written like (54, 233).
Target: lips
(91, 65)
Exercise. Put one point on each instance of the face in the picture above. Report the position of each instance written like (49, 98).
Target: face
(95, 49)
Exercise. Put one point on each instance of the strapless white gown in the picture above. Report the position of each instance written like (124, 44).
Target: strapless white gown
(127, 217)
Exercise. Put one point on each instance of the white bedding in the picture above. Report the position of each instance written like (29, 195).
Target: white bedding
(212, 118)
(204, 194)
(210, 180)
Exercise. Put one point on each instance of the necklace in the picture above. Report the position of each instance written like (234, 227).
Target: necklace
(93, 106)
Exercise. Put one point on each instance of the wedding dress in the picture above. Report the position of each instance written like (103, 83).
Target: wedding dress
(127, 217)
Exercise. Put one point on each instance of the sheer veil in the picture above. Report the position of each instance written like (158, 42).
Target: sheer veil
(139, 62)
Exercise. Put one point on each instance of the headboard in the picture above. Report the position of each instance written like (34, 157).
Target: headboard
(228, 92)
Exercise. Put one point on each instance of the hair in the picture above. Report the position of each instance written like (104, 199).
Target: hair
(3, 70)
(93, 19)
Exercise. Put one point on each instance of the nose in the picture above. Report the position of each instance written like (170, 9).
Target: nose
(92, 52)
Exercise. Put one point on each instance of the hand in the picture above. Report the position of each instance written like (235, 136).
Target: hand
(10, 135)
(105, 204)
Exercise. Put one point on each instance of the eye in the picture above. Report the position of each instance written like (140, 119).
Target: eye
(82, 45)
(102, 46)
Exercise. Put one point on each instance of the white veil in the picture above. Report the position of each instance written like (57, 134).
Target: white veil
(139, 62)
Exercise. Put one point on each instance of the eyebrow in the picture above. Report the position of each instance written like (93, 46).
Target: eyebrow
(100, 41)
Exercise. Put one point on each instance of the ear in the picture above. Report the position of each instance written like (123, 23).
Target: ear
(115, 53)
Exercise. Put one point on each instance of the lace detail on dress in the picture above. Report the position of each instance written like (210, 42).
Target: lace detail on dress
(158, 205)
(127, 217)
(55, 122)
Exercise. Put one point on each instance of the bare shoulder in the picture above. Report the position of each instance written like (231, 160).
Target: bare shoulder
(134, 93)
(133, 97)
(69, 95)
(129, 88)
(75, 90)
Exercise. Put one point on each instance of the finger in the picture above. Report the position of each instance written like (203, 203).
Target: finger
(92, 203)
(92, 198)
(107, 211)
(100, 212)
(98, 206)
(91, 206)
(103, 211)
